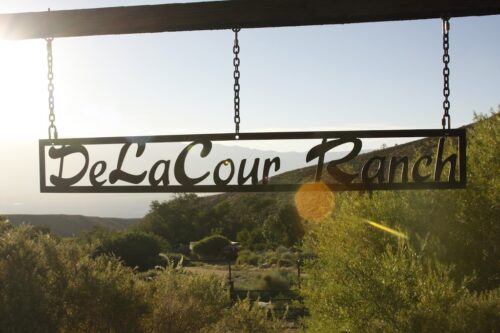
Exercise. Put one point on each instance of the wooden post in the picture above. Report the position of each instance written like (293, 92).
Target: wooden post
(212, 15)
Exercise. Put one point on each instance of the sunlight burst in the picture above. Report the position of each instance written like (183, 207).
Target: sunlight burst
(314, 201)
(386, 229)
(23, 102)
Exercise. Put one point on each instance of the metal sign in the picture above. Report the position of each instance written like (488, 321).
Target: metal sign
(68, 165)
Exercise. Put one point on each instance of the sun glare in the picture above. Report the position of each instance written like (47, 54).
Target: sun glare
(386, 229)
(23, 101)
(314, 201)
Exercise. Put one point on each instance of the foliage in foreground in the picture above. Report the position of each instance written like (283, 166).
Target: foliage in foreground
(443, 278)
(48, 286)
(363, 283)
(51, 285)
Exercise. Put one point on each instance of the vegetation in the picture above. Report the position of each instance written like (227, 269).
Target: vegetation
(137, 249)
(281, 257)
(212, 247)
(246, 318)
(257, 222)
(436, 270)
(440, 275)
(53, 285)
(47, 285)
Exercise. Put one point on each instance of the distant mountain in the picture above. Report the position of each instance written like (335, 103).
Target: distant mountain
(71, 225)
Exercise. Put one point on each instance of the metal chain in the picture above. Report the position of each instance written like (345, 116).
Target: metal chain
(236, 75)
(50, 77)
(446, 120)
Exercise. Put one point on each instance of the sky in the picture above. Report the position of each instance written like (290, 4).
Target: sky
(383, 75)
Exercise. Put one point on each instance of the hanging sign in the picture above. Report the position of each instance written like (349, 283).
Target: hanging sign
(122, 165)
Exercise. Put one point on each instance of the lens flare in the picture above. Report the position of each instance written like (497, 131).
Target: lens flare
(314, 201)
(386, 229)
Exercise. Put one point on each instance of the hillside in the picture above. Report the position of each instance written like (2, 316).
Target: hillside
(71, 225)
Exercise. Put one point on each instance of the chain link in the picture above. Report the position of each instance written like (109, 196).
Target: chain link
(446, 120)
(50, 87)
(236, 76)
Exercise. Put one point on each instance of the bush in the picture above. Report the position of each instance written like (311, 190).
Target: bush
(286, 263)
(51, 286)
(135, 248)
(371, 281)
(185, 302)
(30, 281)
(287, 259)
(104, 296)
(479, 312)
(271, 257)
(174, 259)
(281, 249)
(276, 280)
(211, 247)
(247, 257)
(246, 317)
(368, 287)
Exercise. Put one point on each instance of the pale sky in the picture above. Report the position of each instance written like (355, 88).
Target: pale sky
(336, 77)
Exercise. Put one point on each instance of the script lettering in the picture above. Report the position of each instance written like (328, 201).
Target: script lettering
(61, 153)
(437, 162)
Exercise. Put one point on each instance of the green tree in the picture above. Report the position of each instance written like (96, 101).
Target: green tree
(176, 221)
(283, 228)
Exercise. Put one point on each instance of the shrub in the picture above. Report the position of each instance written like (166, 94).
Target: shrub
(287, 259)
(174, 259)
(184, 302)
(478, 312)
(53, 285)
(104, 296)
(276, 280)
(246, 317)
(47, 285)
(281, 249)
(369, 277)
(286, 263)
(288, 256)
(248, 257)
(308, 256)
(31, 281)
(366, 287)
(211, 247)
(271, 257)
(135, 248)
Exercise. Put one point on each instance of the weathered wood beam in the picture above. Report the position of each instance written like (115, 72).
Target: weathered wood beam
(228, 14)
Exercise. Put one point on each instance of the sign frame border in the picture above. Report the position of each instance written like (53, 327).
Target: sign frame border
(460, 133)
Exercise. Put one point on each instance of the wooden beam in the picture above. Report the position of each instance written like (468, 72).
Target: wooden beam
(228, 14)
